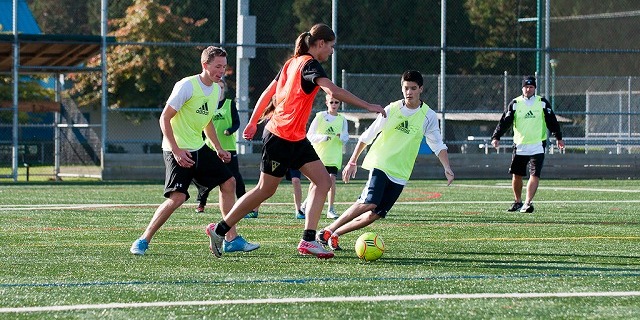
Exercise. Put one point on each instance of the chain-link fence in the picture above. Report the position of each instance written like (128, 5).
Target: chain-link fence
(585, 56)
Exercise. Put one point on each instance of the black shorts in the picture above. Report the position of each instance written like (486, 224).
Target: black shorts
(208, 171)
(380, 191)
(332, 170)
(279, 155)
(520, 163)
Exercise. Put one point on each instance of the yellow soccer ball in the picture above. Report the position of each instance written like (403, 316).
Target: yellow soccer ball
(369, 246)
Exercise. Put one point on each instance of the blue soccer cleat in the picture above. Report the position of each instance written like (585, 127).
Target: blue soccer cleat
(252, 215)
(139, 246)
(239, 244)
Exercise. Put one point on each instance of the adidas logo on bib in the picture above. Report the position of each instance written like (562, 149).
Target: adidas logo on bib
(204, 109)
(529, 115)
(403, 126)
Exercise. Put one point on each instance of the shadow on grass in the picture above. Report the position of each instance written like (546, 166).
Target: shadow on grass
(492, 221)
(556, 265)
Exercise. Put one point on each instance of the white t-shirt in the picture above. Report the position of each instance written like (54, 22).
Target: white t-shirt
(183, 90)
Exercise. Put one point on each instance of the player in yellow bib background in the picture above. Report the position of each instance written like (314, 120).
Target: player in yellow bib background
(226, 120)
(328, 133)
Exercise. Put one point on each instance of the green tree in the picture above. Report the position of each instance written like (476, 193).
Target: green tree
(138, 74)
(592, 26)
(67, 16)
(496, 25)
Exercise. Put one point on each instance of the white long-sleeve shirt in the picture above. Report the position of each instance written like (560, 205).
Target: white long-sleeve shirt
(317, 137)
(430, 127)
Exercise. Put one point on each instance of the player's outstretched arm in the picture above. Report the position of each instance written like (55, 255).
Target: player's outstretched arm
(258, 111)
(343, 95)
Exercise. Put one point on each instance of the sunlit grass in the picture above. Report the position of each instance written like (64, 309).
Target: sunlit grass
(583, 237)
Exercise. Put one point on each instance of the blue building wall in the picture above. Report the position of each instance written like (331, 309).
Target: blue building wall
(26, 22)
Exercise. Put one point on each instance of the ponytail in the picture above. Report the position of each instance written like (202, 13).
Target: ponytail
(302, 44)
(268, 111)
(306, 39)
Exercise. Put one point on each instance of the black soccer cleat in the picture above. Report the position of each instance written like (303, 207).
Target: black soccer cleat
(515, 206)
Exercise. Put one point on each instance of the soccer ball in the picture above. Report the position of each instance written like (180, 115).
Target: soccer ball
(369, 246)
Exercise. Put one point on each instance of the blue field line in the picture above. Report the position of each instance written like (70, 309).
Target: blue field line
(308, 280)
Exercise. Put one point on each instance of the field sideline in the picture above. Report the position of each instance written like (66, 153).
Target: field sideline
(452, 252)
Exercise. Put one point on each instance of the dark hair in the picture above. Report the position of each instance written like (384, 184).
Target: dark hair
(413, 76)
(306, 39)
(211, 52)
(268, 111)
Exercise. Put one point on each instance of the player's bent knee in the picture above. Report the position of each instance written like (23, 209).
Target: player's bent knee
(324, 186)
(229, 185)
(366, 207)
(177, 198)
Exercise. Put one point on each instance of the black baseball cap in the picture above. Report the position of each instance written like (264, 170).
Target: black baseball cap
(529, 81)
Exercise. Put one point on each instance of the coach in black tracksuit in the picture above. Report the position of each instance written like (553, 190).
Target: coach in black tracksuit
(531, 116)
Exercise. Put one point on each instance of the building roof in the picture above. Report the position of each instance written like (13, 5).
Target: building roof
(42, 53)
(26, 22)
(49, 53)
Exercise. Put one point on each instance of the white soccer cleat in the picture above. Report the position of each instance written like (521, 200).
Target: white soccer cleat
(314, 248)
(215, 240)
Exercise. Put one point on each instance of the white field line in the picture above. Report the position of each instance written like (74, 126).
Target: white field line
(365, 299)
(22, 207)
(510, 201)
(552, 188)
(27, 207)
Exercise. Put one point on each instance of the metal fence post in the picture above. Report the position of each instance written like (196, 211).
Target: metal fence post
(16, 65)
(344, 85)
(103, 63)
(505, 92)
(443, 66)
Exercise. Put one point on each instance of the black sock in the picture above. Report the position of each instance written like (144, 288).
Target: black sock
(309, 235)
(222, 228)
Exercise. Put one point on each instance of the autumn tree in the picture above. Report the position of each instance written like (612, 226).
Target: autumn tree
(139, 73)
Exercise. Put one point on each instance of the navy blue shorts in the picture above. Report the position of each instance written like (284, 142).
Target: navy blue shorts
(380, 191)
(293, 173)
(279, 155)
(208, 171)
